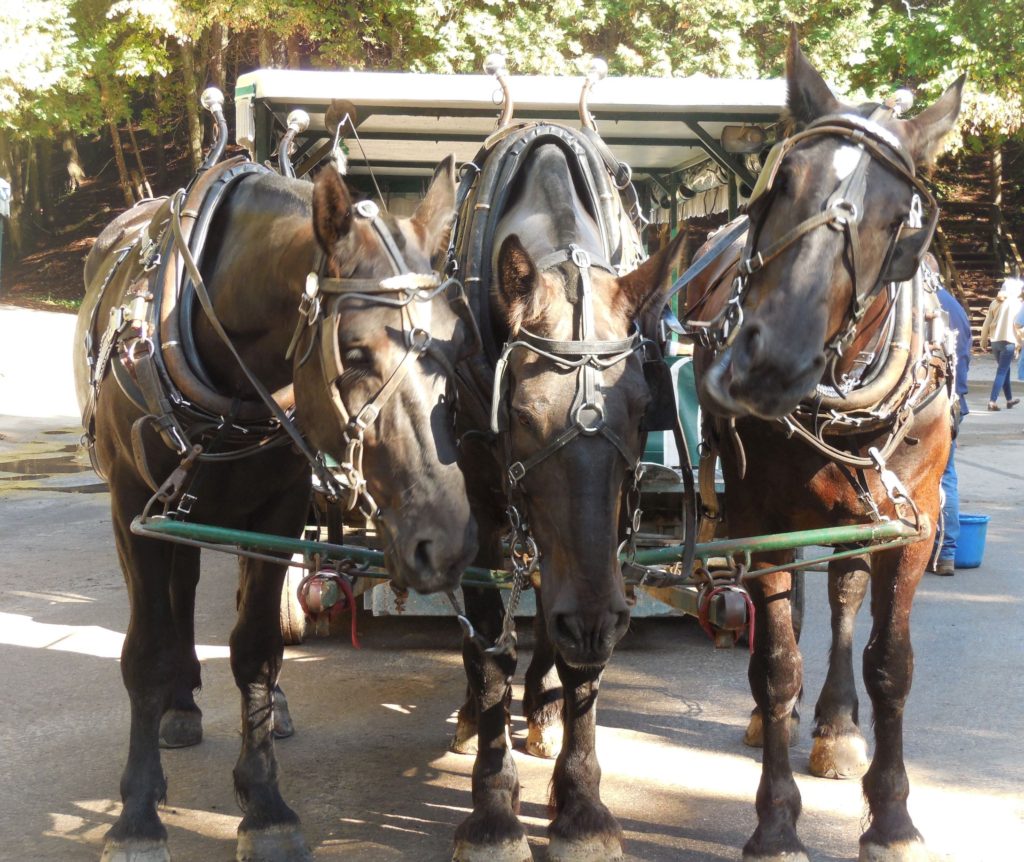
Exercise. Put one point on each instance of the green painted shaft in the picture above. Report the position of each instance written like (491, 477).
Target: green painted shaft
(782, 541)
(171, 529)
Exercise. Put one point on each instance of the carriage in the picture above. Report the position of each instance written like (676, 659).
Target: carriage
(580, 342)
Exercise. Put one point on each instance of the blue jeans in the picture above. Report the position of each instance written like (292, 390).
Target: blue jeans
(950, 509)
(1003, 353)
(1020, 367)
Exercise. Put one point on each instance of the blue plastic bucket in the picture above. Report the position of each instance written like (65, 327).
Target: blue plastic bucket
(970, 546)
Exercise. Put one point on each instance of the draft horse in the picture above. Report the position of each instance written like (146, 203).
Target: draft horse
(550, 421)
(826, 388)
(333, 313)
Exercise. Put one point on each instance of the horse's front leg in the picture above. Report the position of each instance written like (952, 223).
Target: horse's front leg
(775, 674)
(182, 721)
(492, 833)
(148, 667)
(839, 749)
(583, 829)
(269, 831)
(888, 672)
(542, 693)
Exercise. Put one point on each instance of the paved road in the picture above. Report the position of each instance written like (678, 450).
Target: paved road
(368, 769)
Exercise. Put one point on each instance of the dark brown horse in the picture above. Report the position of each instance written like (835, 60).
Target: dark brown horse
(807, 439)
(373, 352)
(566, 415)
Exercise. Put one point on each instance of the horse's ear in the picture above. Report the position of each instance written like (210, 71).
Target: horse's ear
(433, 217)
(642, 292)
(332, 209)
(517, 281)
(928, 128)
(807, 95)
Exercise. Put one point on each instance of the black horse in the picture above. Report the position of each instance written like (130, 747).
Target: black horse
(169, 390)
(561, 388)
(835, 226)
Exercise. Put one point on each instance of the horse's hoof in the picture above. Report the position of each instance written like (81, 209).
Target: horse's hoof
(181, 728)
(464, 741)
(754, 736)
(795, 856)
(900, 851)
(594, 849)
(513, 850)
(844, 756)
(136, 851)
(544, 742)
(283, 725)
(283, 843)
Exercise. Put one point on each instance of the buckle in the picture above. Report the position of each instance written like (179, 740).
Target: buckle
(580, 257)
(516, 472)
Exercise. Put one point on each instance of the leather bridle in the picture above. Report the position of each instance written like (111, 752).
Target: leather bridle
(588, 355)
(843, 211)
(412, 294)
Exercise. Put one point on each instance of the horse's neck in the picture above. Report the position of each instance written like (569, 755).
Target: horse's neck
(255, 284)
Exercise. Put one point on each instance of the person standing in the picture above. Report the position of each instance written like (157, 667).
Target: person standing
(999, 334)
(944, 554)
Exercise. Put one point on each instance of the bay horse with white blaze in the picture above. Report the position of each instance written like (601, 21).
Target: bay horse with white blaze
(169, 389)
(560, 385)
(824, 385)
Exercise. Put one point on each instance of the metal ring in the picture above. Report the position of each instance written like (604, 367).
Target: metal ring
(133, 356)
(366, 209)
(585, 429)
(417, 339)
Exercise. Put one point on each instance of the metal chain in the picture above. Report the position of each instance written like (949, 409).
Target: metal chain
(525, 561)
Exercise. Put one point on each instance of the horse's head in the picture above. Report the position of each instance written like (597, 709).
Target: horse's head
(836, 214)
(378, 382)
(573, 435)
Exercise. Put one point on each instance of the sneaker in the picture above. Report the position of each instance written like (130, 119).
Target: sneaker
(944, 567)
(1013, 402)
(993, 406)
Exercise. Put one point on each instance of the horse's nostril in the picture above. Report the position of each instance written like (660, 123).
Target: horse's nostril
(422, 556)
(567, 627)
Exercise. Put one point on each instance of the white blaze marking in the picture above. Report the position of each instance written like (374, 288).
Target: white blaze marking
(845, 160)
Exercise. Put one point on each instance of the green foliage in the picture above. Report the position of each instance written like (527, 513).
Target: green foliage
(81, 63)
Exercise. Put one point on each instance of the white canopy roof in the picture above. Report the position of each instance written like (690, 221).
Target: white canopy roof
(408, 122)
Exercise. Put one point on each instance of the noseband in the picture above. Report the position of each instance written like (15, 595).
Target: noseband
(413, 295)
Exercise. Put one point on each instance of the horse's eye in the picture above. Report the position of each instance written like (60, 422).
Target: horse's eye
(525, 418)
(355, 356)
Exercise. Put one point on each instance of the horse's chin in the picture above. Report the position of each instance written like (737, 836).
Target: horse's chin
(715, 395)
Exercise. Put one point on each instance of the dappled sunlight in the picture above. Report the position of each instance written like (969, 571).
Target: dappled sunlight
(23, 631)
(52, 597)
(973, 598)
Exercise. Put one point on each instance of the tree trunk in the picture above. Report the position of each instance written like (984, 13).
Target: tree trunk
(192, 108)
(47, 198)
(146, 188)
(159, 139)
(217, 56)
(996, 186)
(266, 49)
(8, 165)
(115, 140)
(76, 173)
(293, 47)
(123, 177)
